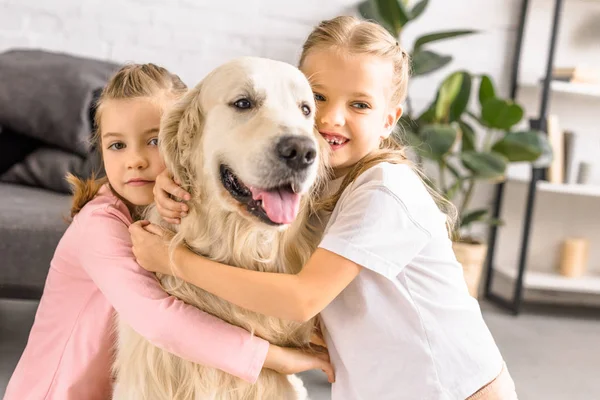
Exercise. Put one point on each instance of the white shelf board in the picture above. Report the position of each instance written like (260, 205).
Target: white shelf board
(569, 87)
(569, 188)
(565, 188)
(538, 280)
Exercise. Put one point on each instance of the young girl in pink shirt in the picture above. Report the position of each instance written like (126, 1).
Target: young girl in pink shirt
(93, 272)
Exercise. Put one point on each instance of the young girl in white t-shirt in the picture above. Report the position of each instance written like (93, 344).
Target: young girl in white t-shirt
(399, 322)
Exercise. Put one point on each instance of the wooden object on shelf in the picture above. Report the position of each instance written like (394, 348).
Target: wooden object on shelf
(556, 169)
(574, 88)
(574, 257)
(579, 74)
(472, 257)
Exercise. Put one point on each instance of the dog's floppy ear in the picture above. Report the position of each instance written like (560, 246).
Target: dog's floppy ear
(179, 128)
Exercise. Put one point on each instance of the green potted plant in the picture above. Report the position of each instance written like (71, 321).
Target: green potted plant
(468, 148)
(448, 135)
(394, 15)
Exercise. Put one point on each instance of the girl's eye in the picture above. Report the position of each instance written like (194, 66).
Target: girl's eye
(319, 97)
(361, 106)
(117, 146)
(153, 142)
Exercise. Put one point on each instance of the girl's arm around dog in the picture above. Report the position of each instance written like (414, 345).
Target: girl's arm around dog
(293, 297)
(360, 234)
(164, 320)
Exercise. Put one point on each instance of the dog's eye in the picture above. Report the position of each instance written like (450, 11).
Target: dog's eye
(243, 104)
(305, 109)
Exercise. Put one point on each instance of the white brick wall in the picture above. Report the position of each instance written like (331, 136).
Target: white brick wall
(193, 36)
(190, 37)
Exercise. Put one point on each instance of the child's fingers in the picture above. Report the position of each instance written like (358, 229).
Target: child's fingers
(136, 225)
(328, 369)
(142, 223)
(157, 230)
(166, 212)
(174, 221)
(165, 183)
(162, 199)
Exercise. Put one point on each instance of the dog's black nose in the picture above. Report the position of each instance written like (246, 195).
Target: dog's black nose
(298, 152)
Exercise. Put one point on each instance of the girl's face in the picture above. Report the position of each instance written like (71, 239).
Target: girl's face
(354, 110)
(129, 138)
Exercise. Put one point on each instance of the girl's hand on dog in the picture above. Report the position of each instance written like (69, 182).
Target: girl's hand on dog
(150, 248)
(292, 361)
(172, 210)
(152, 253)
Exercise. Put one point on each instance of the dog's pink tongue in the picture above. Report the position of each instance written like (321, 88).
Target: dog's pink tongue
(281, 206)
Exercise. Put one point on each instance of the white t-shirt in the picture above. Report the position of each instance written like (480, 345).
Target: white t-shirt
(406, 327)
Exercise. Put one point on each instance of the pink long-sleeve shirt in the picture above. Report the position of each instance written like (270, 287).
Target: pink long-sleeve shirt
(93, 274)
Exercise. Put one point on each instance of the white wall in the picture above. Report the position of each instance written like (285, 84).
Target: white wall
(188, 36)
(191, 37)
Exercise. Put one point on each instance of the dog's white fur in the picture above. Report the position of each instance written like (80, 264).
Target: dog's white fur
(201, 132)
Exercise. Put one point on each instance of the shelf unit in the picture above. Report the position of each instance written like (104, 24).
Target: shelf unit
(519, 277)
(572, 88)
(565, 188)
(536, 280)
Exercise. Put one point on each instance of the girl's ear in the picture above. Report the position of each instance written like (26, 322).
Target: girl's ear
(391, 120)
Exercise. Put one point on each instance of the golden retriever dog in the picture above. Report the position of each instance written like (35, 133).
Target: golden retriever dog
(243, 143)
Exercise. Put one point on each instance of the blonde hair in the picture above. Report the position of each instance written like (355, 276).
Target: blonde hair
(129, 82)
(355, 36)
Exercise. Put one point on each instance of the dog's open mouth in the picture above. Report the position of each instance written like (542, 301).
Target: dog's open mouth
(274, 206)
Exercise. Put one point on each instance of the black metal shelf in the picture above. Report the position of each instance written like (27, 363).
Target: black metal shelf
(537, 174)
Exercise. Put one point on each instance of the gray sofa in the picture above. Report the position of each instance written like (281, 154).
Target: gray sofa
(47, 106)
(32, 221)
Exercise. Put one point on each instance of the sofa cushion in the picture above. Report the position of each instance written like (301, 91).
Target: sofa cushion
(51, 95)
(47, 168)
(32, 221)
(14, 148)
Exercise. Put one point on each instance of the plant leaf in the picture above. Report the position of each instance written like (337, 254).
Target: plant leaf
(425, 62)
(418, 9)
(439, 139)
(501, 114)
(449, 89)
(468, 136)
(453, 170)
(473, 216)
(459, 105)
(368, 10)
(545, 159)
(520, 146)
(495, 221)
(486, 89)
(453, 190)
(434, 37)
(416, 144)
(485, 165)
(394, 13)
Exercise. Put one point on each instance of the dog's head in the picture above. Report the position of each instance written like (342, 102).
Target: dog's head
(245, 135)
